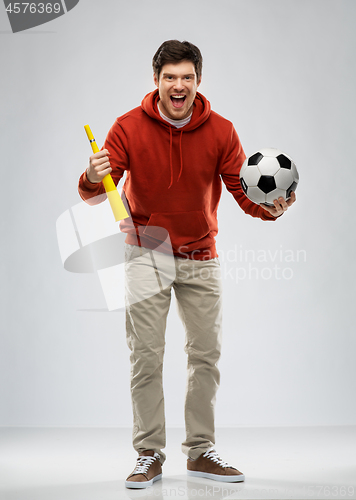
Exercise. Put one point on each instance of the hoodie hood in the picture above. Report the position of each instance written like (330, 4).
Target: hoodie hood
(201, 112)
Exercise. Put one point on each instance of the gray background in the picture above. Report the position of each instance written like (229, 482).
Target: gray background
(283, 72)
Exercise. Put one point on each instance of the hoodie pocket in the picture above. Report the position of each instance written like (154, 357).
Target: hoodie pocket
(186, 229)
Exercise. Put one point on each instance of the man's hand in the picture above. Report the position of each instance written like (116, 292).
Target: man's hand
(280, 205)
(99, 166)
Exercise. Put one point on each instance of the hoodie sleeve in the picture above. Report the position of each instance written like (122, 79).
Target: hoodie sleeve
(230, 173)
(94, 193)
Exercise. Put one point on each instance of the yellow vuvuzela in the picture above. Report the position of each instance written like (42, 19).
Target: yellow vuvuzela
(113, 195)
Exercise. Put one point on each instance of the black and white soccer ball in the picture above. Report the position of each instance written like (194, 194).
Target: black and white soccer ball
(267, 175)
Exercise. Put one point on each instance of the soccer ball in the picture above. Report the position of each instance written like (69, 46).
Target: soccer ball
(267, 175)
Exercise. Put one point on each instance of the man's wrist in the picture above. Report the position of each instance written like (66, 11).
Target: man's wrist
(87, 177)
(88, 183)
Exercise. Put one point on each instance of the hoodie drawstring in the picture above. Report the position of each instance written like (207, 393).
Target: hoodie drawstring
(181, 156)
(170, 155)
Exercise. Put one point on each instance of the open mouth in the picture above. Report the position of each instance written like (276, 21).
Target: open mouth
(178, 100)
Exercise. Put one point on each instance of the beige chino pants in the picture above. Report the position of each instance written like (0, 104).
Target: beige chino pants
(149, 279)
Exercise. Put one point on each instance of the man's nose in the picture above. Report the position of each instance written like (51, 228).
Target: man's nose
(178, 84)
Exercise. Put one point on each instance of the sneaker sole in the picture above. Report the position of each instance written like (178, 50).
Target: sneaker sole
(141, 484)
(216, 477)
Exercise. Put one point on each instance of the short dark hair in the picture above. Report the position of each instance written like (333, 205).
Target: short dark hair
(174, 51)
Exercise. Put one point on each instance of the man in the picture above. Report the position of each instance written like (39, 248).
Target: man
(175, 151)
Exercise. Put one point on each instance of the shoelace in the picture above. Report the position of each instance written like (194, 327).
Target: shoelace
(212, 455)
(143, 464)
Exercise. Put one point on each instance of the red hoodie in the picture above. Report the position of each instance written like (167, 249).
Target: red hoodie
(173, 180)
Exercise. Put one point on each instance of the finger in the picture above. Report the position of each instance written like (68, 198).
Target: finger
(98, 176)
(99, 161)
(104, 173)
(100, 154)
(269, 208)
(277, 208)
(292, 199)
(282, 204)
(101, 164)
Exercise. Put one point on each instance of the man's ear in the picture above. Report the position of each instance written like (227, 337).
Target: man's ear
(155, 79)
